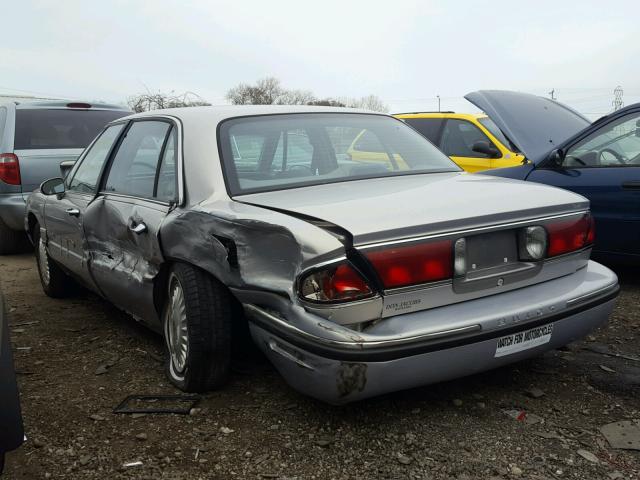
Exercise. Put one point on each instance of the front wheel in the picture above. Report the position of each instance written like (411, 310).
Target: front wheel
(197, 330)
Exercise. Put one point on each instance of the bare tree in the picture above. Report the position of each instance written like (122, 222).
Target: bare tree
(295, 97)
(269, 91)
(265, 92)
(370, 102)
(153, 101)
(327, 102)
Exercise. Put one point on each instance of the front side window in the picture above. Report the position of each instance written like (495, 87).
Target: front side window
(134, 166)
(496, 132)
(86, 176)
(614, 145)
(60, 128)
(274, 152)
(458, 138)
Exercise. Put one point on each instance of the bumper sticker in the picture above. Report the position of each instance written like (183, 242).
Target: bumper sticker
(523, 340)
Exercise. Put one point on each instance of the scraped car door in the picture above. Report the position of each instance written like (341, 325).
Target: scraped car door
(64, 214)
(122, 225)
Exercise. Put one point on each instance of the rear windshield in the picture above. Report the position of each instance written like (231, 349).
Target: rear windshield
(276, 152)
(41, 129)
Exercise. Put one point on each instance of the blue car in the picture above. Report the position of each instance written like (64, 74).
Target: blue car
(599, 160)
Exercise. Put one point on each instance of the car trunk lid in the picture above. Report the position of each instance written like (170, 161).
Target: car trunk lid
(396, 208)
(536, 125)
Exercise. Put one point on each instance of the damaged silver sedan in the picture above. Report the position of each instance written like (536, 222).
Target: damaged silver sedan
(357, 275)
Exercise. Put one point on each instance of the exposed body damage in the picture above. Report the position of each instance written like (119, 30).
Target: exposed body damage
(271, 249)
(352, 288)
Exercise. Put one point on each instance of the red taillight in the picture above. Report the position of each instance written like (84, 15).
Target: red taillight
(414, 264)
(336, 283)
(570, 235)
(591, 236)
(9, 169)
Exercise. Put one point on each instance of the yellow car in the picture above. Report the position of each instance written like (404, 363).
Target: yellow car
(473, 141)
(366, 147)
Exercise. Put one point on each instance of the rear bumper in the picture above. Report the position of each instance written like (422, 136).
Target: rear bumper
(12, 210)
(433, 345)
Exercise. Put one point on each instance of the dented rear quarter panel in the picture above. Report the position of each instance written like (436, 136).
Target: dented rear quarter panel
(247, 247)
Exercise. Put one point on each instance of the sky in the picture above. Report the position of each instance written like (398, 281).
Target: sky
(404, 51)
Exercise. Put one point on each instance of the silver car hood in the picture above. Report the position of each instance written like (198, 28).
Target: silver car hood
(536, 125)
(393, 208)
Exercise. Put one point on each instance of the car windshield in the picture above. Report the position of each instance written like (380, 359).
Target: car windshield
(60, 128)
(276, 152)
(496, 132)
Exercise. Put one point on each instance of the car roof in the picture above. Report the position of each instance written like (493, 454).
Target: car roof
(65, 104)
(218, 113)
(465, 116)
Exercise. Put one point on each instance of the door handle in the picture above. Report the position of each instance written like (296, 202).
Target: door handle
(138, 228)
(73, 212)
(635, 185)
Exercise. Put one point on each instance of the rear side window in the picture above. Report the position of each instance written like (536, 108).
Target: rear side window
(60, 128)
(428, 127)
(134, 166)
(167, 182)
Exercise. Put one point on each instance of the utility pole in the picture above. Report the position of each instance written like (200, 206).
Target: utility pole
(438, 102)
(617, 98)
(552, 93)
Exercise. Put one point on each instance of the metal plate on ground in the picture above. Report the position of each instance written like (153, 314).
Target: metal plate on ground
(623, 435)
(177, 404)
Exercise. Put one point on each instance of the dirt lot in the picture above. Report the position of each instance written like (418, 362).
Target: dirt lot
(257, 427)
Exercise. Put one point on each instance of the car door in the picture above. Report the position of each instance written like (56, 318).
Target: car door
(604, 166)
(457, 141)
(64, 214)
(122, 224)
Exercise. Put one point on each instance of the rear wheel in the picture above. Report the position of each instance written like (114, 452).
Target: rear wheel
(197, 330)
(54, 281)
(11, 241)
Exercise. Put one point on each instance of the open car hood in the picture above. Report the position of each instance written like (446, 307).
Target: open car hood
(536, 125)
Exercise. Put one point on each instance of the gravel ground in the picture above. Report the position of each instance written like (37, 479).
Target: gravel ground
(82, 357)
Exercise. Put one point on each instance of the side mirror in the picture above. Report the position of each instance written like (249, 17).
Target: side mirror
(556, 157)
(482, 146)
(53, 186)
(637, 128)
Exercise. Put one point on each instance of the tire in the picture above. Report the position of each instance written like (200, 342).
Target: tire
(11, 241)
(55, 283)
(197, 330)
